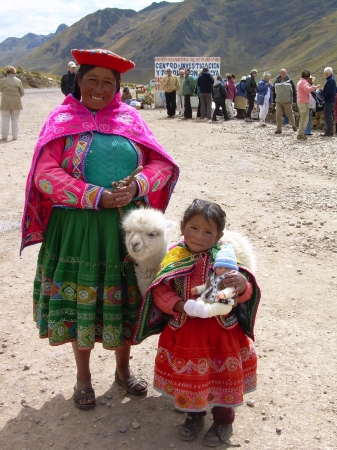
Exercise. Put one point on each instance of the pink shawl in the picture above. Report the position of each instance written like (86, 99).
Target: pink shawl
(71, 118)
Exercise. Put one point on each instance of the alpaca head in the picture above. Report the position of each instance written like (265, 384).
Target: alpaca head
(145, 233)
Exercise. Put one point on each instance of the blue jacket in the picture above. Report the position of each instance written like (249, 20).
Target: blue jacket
(241, 89)
(262, 89)
(205, 82)
(329, 90)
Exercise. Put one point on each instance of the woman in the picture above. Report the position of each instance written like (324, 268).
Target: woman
(126, 95)
(263, 97)
(12, 91)
(83, 293)
(231, 93)
(240, 101)
(303, 91)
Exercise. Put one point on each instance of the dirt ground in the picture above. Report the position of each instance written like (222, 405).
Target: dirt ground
(279, 192)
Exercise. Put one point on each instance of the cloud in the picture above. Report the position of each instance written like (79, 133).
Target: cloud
(40, 17)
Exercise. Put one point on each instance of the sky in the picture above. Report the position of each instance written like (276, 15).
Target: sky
(19, 17)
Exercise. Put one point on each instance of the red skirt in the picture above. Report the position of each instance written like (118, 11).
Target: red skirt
(203, 364)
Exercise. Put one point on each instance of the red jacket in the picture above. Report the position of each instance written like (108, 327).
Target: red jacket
(231, 89)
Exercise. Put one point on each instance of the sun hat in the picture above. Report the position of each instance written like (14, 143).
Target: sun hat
(71, 64)
(243, 78)
(102, 58)
(226, 258)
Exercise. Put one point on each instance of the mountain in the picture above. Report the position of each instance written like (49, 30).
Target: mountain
(246, 34)
(12, 49)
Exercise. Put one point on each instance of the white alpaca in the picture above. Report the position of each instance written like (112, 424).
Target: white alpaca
(242, 247)
(146, 241)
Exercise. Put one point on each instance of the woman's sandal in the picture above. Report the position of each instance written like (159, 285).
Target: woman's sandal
(88, 394)
(131, 383)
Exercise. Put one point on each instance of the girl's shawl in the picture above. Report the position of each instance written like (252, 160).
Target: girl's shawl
(72, 118)
(178, 264)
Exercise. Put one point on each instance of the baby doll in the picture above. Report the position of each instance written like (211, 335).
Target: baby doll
(214, 301)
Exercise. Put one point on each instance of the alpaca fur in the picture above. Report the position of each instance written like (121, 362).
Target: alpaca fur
(146, 241)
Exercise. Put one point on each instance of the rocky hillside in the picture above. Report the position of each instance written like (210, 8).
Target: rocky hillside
(34, 79)
(295, 34)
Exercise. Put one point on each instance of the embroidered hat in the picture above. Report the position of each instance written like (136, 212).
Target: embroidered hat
(71, 64)
(226, 258)
(102, 58)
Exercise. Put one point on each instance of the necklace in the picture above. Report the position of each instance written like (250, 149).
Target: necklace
(199, 255)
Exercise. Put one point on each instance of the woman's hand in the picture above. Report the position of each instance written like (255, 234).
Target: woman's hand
(237, 280)
(118, 197)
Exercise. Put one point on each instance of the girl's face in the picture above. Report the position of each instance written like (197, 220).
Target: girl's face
(98, 87)
(199, 234)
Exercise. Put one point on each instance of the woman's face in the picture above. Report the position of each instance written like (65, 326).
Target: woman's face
(98, 88)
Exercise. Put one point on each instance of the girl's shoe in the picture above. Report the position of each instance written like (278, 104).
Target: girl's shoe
(190, 428)
(217, 435)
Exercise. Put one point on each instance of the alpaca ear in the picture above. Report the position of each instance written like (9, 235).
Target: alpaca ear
(170, 225)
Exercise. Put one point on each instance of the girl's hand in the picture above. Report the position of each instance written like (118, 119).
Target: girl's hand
(194, 291)
(237, 280)
(118, 197)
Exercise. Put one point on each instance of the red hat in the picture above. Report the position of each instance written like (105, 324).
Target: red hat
(102, 58)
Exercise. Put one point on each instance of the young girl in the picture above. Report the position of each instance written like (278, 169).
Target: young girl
(201, 362)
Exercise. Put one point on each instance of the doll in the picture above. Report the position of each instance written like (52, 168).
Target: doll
(214, 301)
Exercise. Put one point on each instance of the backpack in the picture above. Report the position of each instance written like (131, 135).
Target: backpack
(284, 92)
(319, 100)
(216, 91)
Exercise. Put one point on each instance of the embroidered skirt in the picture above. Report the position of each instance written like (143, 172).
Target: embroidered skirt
(82, 292)
(202, 364)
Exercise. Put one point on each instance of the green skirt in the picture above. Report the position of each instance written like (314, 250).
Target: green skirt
(82, 290)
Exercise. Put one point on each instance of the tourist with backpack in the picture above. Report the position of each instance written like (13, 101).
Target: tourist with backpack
(284, 96)
(219, 98)
(240, 101)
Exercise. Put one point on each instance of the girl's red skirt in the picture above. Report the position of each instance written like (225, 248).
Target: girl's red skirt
(203, 364)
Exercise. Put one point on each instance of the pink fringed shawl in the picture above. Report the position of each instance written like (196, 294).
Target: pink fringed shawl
(72, 118)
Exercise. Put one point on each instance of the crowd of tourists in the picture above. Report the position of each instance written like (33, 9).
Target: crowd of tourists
(250, 99)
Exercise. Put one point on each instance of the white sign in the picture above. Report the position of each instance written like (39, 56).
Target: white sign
(194, 63)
